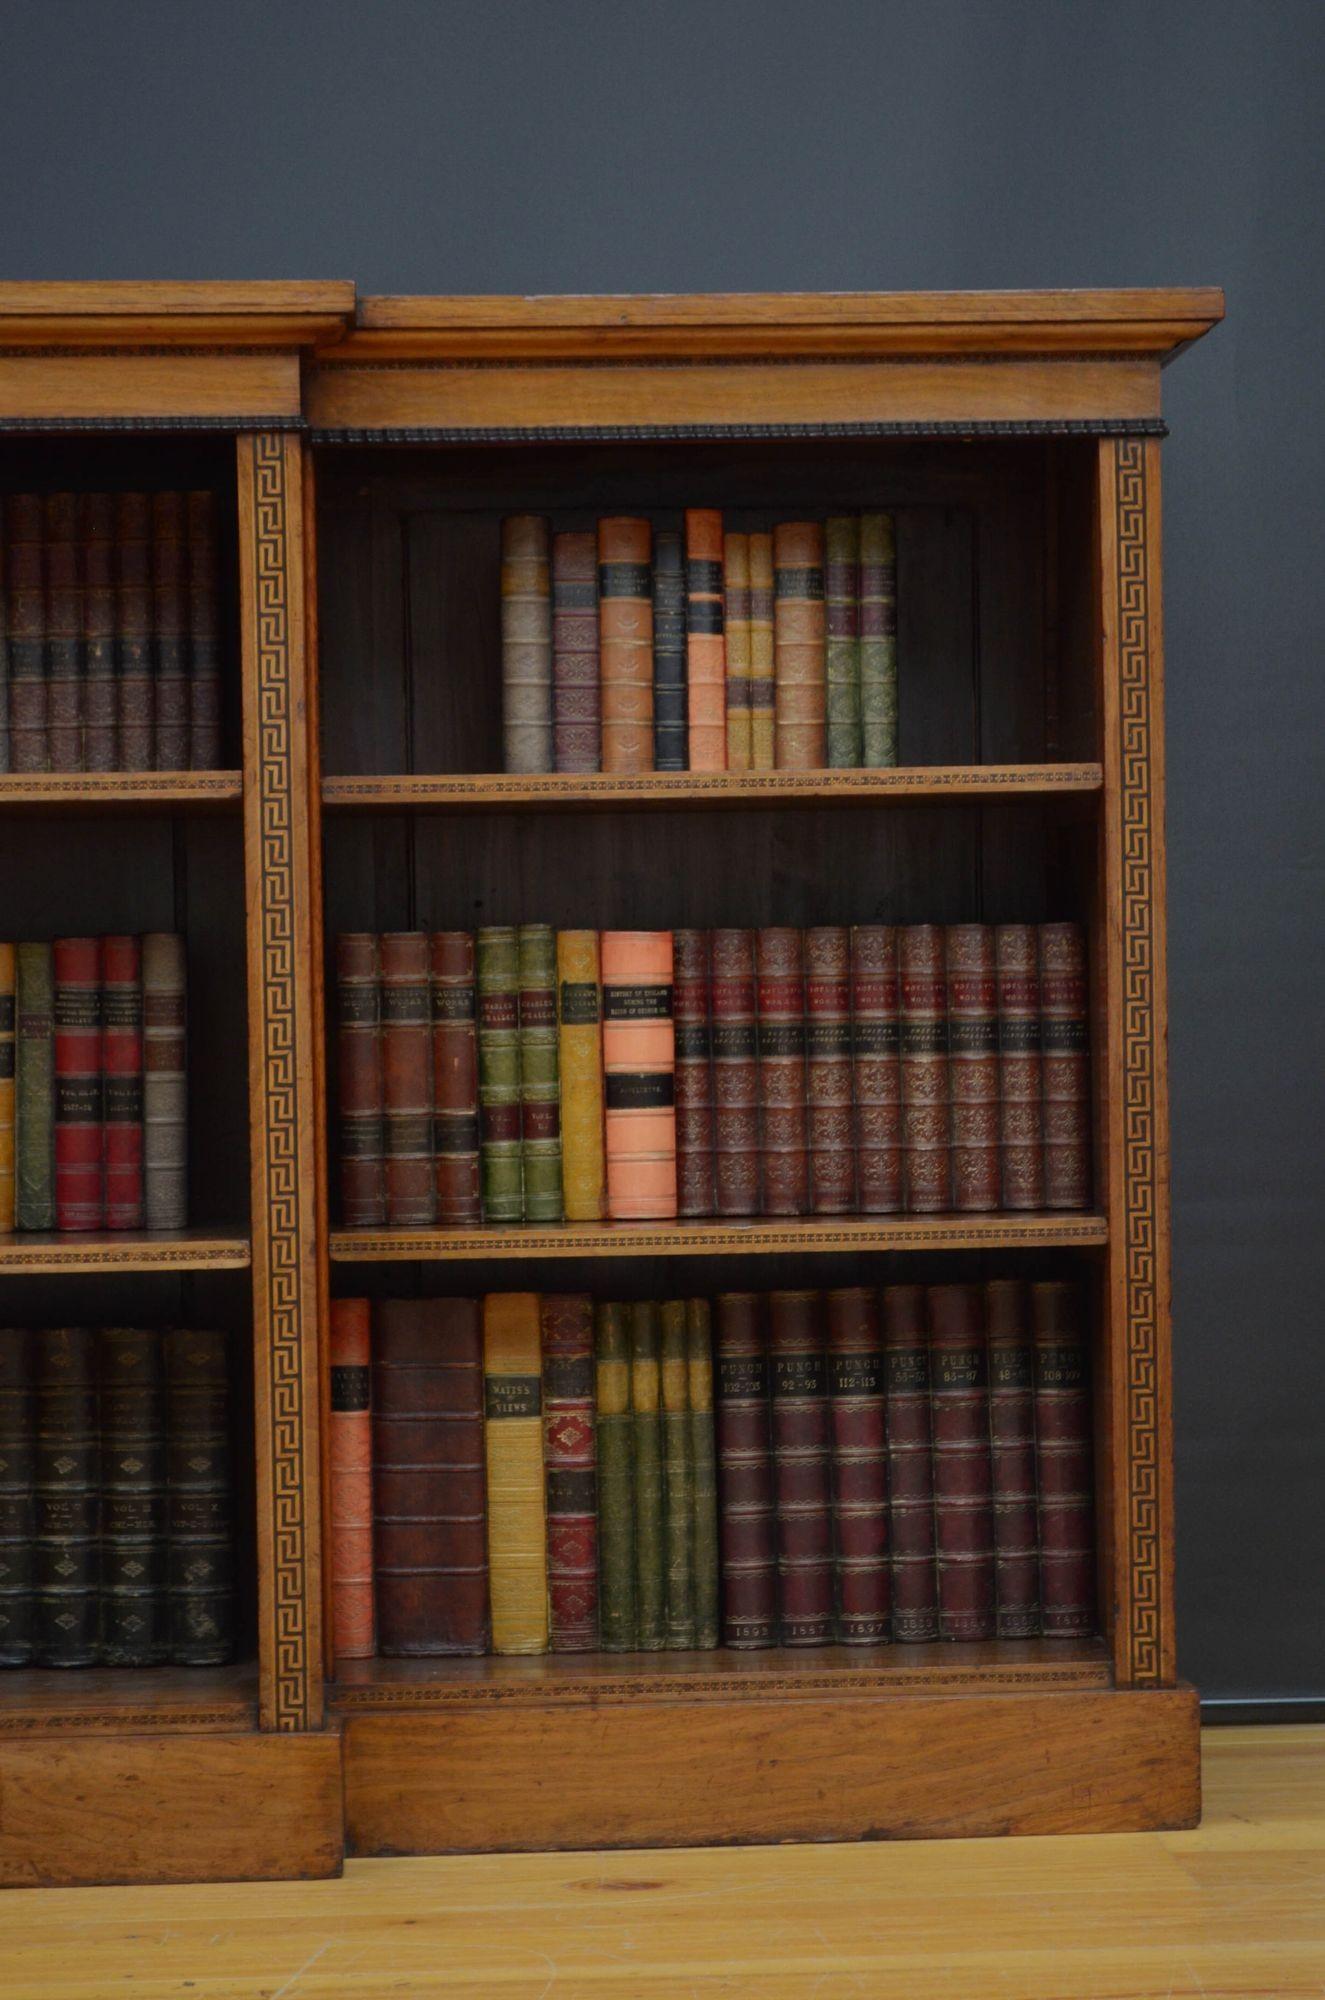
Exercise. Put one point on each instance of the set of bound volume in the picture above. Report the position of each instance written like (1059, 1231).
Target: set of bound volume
(529, 1075)
(116, 1543)
(638, 648)
(109, 632)
(93, 1084)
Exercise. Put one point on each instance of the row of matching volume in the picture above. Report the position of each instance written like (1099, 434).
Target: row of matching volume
(93, 1085)
(632, 650)
(109, 633)
(115, 1519)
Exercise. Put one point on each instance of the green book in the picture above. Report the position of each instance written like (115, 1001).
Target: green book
(678, 1479)
(703, 1456)
(842, 649)
(878, 640)
(615, 1427)
(540, 1096)
(650, 1519)
(35, 1089)
(499, 1074)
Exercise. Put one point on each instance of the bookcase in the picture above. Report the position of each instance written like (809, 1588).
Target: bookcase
(363, 452)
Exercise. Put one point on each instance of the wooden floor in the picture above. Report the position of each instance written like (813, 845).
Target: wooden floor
(1236, 1908)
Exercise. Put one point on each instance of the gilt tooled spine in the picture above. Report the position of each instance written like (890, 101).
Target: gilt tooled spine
(8, 1055)
(706, 651)
(25, 569)
(350, 1480)
(540, 1095)
(842, 647)
(694, 1074)
(735, 1073)
(1065, 1065)
(973, 1066)
(134, 1607)
(499, 1074)
(828, 1070)
(170, 633)
(799, 633)
(204, 633)
(625, 642)
(736, 619)
(783, 1134)
(576, 720)
(64, 633)
(923, 990)
(878, 640)
(678, 1480)
(80, 1185)
(100, 730)
(1063, 1460)
(642, 1318)
(763, 683)
(133, 631)
(35, 1088)
(747, 1525)
(526, 644)
(670, 698)
(570, 1467)
(18, 1454)
(1012, 1450)
(201, 1556)
(704, 1464)
(1021, 1113)
(580, 1063)
(359, 1078)
(165, 1082)
(876, 1069)
(863, 1596)
(407, 1086)
(517, 1498)
(615, 1434)
(963, 1490)
(906, 1371)
(639, 1083)
(801, 1467)
(68, 1500)
(455, 1142)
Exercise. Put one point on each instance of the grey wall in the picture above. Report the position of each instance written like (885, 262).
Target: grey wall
(545, 145)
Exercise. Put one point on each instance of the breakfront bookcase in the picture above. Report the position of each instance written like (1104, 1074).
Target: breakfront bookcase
(364, 451)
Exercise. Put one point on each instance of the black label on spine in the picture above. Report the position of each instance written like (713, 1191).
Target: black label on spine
(973, 1038)
(568, 1378)
(856, 1374)
(692, 1041)
(350, 1388)
(875, 1038)
(647, 1090)
(452, 1003)
(703, 575)
(1018, 1037)
(742, 1378)
(512, 1396)
(1063, 1038)
(1009, 1368)
(778, 1038)
(733, 1044)
(571, 1490)
(924, 1038)
(406, 1006)
(579, 1003)
(799, 1375)
(624, 579)
(959, 1368)
(455, 1132)
(1060, 1367)
(908, 1371)
(704, 615)
(360, 1004)
(637, 1003)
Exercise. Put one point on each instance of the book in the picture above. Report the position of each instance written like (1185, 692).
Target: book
(64, 634)
(963, 1492)
(18, 1452)
(763, 681)
(350, 1481)
(540, 1100)
(706, 652)
(122, 1080)
(876, 1072)
(201, 1556)
(1063, 1460)
(8, 1025)
(526, 644)
(639, 1059)
(165, 1082)
(830, 1113)
(799, 1427)
(580, 1066)
(862, 1594)
(746, 1521)
(642, 1319)
(171, 692)
(67, 1548)
(736, 624)
(576, 722)
(614, 1427)
(678, 1479)
(97, 558)
(923, 994)
(133, 631)
(500, 1158)
(35, 1088)
(842, 641)
(798, 646)
(25, 572)
(906, 1372)
(4, 652)
(204, 633)
(455, 1144)
(1065, 1065)
(1020, 1115)
(80, 1184)
(1012, 1455)
(735, 1073)
(783, 1135)
(704, 1473)
(407, 1084)
(694, 1073)
(570, 1462)
(513, 1439)
(670, 697)
(132, 1401)
(878, 641)
(359, 1081)
(430, 1549)
(625, 642)
(973, 1066)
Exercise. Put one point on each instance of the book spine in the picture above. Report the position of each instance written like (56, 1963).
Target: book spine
(499, 1074)
(643, 1321)
(134, 1611)
(798, 639)
(614, 1426)
(963, 1491)
(876, 1070)
(735, 1074)
(201, 1556)
(625, 643)
(133, 630)
(828, 1070)
(973, 1066)
(513, 1436)
(80, 1175)
(670, 696)
(359, 1080)
(540, 1096)
(64, 634)
(526, 644)
(1012, 1451)
(407, 1085)
(1065, 1066)
(706, 651)
(906, 1375)
(639, 1082)
(165, 1082)
(8, 1051)
(863, 1597)
(842, 641)
(801, 1448)
(100, 734)
(580, 1062)
(923, 992)
(1021, 1115)
(576, 723)
(570, 1466)
(4, 652)
(678, 1481)
(25, 566)
(694, 1074)
(1063, 1461)
(18, 1451)
(736, 620)
(35, 1088)
(878, 641)
(68, 1500)
(350, 1478)
(454, 1081)
(171, 677)
(747, 1526)
(783, 1135)
(204, 633)
(704, 1465)
(763, 677)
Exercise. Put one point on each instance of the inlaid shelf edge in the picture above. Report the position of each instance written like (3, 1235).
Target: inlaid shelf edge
(120, 791)
(50, 1701)
(50, 1252)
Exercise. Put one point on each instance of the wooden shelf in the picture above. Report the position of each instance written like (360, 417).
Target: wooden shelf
(120, 791)
(50, 1252)
(43, 1701)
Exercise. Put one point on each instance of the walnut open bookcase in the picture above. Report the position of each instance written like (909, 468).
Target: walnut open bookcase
(364, 451)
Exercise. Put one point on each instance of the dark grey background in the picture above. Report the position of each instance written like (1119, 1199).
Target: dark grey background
(543, 145)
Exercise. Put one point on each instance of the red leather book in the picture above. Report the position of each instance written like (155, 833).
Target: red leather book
(170, 632)
(1065, 1046)
(926, 1159)
(973, 1066)
(570, 1465)
(963, 1492)
(746, 1522)
(25, 583)
(133, 629)
(706, 653)
(694, 1073)
(204, 634)
(876, 1068)
(99, 694)
(64, 633)
(122, 1079)
(1063, 1461)
(798, 1383)
(860, 1467)
(407, 1092)
(1021, 1117)
(576, 723)
(625, 640)
(828, 1070)
(783, 1134)
(428, 1488)
(359, 1075)
(735, 1074)
(454, 1080)
(910, 1463)
(350, 1478)
(639, 1080)
(80, 1185)
(1012, 1447)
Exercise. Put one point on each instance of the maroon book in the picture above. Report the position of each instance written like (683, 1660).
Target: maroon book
(973, 1066)
(454, 1080)
(204, 616)
(122, 1079)
(1063, 1461)
(576, 722)
(828, 1070)
(64, 633)
(99, 693)
(963, 1491)
(170, 632)
(25, 584)
(80, 1185)
(407, 1095)
(801, 1467)
(926, 1163)
(746, 1523)
(133, 630)
(735, 1074)
(694, 1073)
(359, 1078)
(569, 1462)
(1021, 1118)
(860, 1467)
(783, 1137)
(876, 1069)
(910, 1462)
(1065, 1058)
(1012, 1447)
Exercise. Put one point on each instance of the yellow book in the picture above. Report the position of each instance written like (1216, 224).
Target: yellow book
(513, 1439)
(580, 1049)
(7, 1004)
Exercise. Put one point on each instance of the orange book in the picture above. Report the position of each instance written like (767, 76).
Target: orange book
(351, 1480)
(625, 642)
(799, 645)
(706, 645)
(639, 1068)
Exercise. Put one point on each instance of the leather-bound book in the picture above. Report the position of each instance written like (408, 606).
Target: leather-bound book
(80, 1182)
(132, 1393)
(455, 1145)
(67, 1573)
(801, 1467)
(642, 1318)
(100, 698)
(359, 1077)
(540, 1093)
(165, 1082)
(1065, 1076)
(350, 1479)
(625, 642)
(878, 641)
(678, 1480)
(783, 1133)
(798, 640)
(580, 1062)
(4, 652)
(499, 1074)
(615, 1427)
(973, 1066)
(1063, 1461)
(706, 651)
(876, 1070)
(763, 680)
(204, 633)
(64, 633)
(735, 1073)
(910, 1463)
(133, 630)
(670, 699)
(736, 620)
(694, 1073)
(923, 995)
(842, 644)
(704, 1463)
(513, 1436)
(747, 1524)
(639, 1060)
(201, 1556)
(863, 1595)
(1021, 1116)
(430, 1548)
(963, 1489)
(407, 1086)
(526, 644)
(828, 1070)
(8, 1045)
(35, 1088)
(170, 632)
(18, 1456)
(1012, 1449)
(25, 576)
(570, 1464)
(576, 723)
